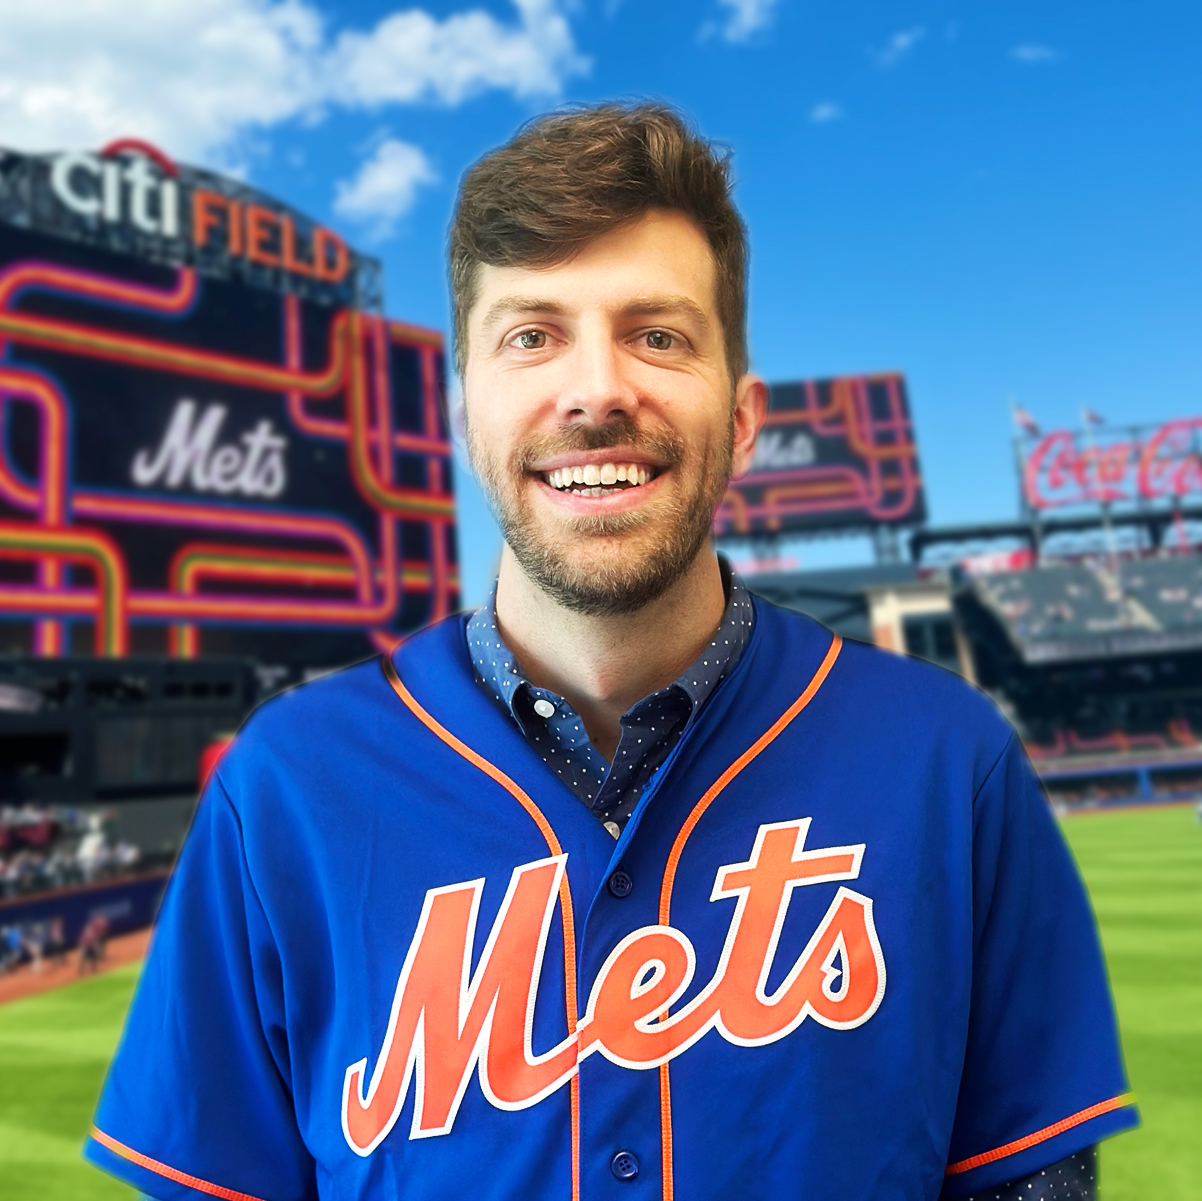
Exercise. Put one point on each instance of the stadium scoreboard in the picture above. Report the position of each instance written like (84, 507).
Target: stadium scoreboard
(834, 455)
(210, 439)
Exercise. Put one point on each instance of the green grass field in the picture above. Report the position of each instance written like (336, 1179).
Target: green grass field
(1144, 870)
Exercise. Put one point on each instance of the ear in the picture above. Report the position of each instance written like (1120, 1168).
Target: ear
(751, 409)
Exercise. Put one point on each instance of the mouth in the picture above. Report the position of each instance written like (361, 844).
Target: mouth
(599, 479)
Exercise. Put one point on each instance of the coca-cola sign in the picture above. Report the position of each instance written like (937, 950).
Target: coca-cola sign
(1137, 465)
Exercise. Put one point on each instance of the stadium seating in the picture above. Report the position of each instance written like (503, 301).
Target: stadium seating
(51, 846)
(1055, 602)
(1073, 610)
(1170, 590)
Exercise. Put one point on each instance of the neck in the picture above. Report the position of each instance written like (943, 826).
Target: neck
(604, 664)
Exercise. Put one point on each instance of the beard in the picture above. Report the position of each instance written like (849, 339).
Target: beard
(611, 564)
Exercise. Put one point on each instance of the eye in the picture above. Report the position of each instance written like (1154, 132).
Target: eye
(658, 340)
(531, 339)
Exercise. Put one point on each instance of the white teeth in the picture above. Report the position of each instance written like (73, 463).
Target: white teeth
(593, 475)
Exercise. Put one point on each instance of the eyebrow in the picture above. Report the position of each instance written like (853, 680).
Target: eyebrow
(642, 306)
(653, 306)
(508, 305)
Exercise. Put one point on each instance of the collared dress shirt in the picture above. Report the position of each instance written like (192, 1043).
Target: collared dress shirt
(650, 728)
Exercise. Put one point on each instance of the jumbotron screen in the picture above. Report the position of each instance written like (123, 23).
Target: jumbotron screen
(835, 454)
(201, 454)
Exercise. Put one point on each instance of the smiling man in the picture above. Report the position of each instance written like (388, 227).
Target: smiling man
(627, 884)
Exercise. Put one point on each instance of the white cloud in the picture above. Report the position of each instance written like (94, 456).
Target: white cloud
(825, 112)
(203, 78)
(897, 47)
(412, 56)
(1033, 52)
(384, 187)
(745, 18)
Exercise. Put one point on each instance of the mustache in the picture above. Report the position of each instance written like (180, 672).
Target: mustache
(665, 448)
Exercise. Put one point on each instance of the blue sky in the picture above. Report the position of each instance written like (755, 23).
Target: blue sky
(1000, 200)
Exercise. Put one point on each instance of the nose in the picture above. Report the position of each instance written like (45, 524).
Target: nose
(596, 390)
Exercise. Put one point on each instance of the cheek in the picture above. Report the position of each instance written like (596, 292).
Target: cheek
(502, 406)
(486, 411)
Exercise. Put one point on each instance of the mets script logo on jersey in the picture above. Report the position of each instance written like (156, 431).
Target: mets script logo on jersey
(447, 1021)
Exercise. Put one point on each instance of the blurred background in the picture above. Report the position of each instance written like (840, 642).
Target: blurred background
(226, 461)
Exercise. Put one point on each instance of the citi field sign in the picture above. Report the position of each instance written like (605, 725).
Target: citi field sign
(211, 440)
(1136, 465)
(130, 196)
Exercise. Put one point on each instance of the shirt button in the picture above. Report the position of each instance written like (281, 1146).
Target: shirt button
(625, 1165)
(620, 884)
(544, 708)
(614, 829)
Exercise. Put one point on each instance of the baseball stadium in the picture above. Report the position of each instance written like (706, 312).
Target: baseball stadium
(223, 471)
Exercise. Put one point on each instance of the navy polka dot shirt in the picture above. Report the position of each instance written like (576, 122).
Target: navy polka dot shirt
(650, 728)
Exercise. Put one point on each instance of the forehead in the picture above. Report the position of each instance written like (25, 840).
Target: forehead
(661, 253)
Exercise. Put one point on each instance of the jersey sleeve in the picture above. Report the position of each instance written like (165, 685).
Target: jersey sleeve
(197, 1103)
(1043, 1073)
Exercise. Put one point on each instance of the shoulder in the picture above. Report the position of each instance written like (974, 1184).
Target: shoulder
(333, 716)
(285, 733)
(889, 697)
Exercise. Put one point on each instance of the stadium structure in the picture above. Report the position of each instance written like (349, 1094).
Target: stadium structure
(1082, 618)
(221, 469)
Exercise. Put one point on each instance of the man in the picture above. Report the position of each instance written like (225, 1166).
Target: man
(708, 903)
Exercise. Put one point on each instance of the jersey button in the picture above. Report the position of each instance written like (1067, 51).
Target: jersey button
(625, 1165)
(620, 884)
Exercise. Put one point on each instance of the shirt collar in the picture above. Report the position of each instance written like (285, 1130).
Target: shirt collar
(497, 668)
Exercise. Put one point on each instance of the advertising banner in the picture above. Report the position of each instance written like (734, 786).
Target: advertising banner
(1146, 466)
(835, 454)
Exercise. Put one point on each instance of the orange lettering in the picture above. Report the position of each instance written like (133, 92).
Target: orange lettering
(444, 1023)
(288, 245)
(235, 227)
(325, 241)
(207, 211)
(838, 979)
(647, 971)
(262, 226)
(764, 885)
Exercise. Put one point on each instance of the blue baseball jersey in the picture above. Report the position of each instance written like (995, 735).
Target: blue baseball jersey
(840, 950)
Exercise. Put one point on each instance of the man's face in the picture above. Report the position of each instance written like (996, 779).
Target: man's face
(601, 417)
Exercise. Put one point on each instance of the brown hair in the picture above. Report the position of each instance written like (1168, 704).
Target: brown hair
(572, 175)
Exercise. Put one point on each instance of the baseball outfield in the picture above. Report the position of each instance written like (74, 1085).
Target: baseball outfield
(1143, 868)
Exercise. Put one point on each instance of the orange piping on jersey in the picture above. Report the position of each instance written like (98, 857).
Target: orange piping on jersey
(665, 895)
(153, 1165)
(565, 895)
(1030, 1140)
